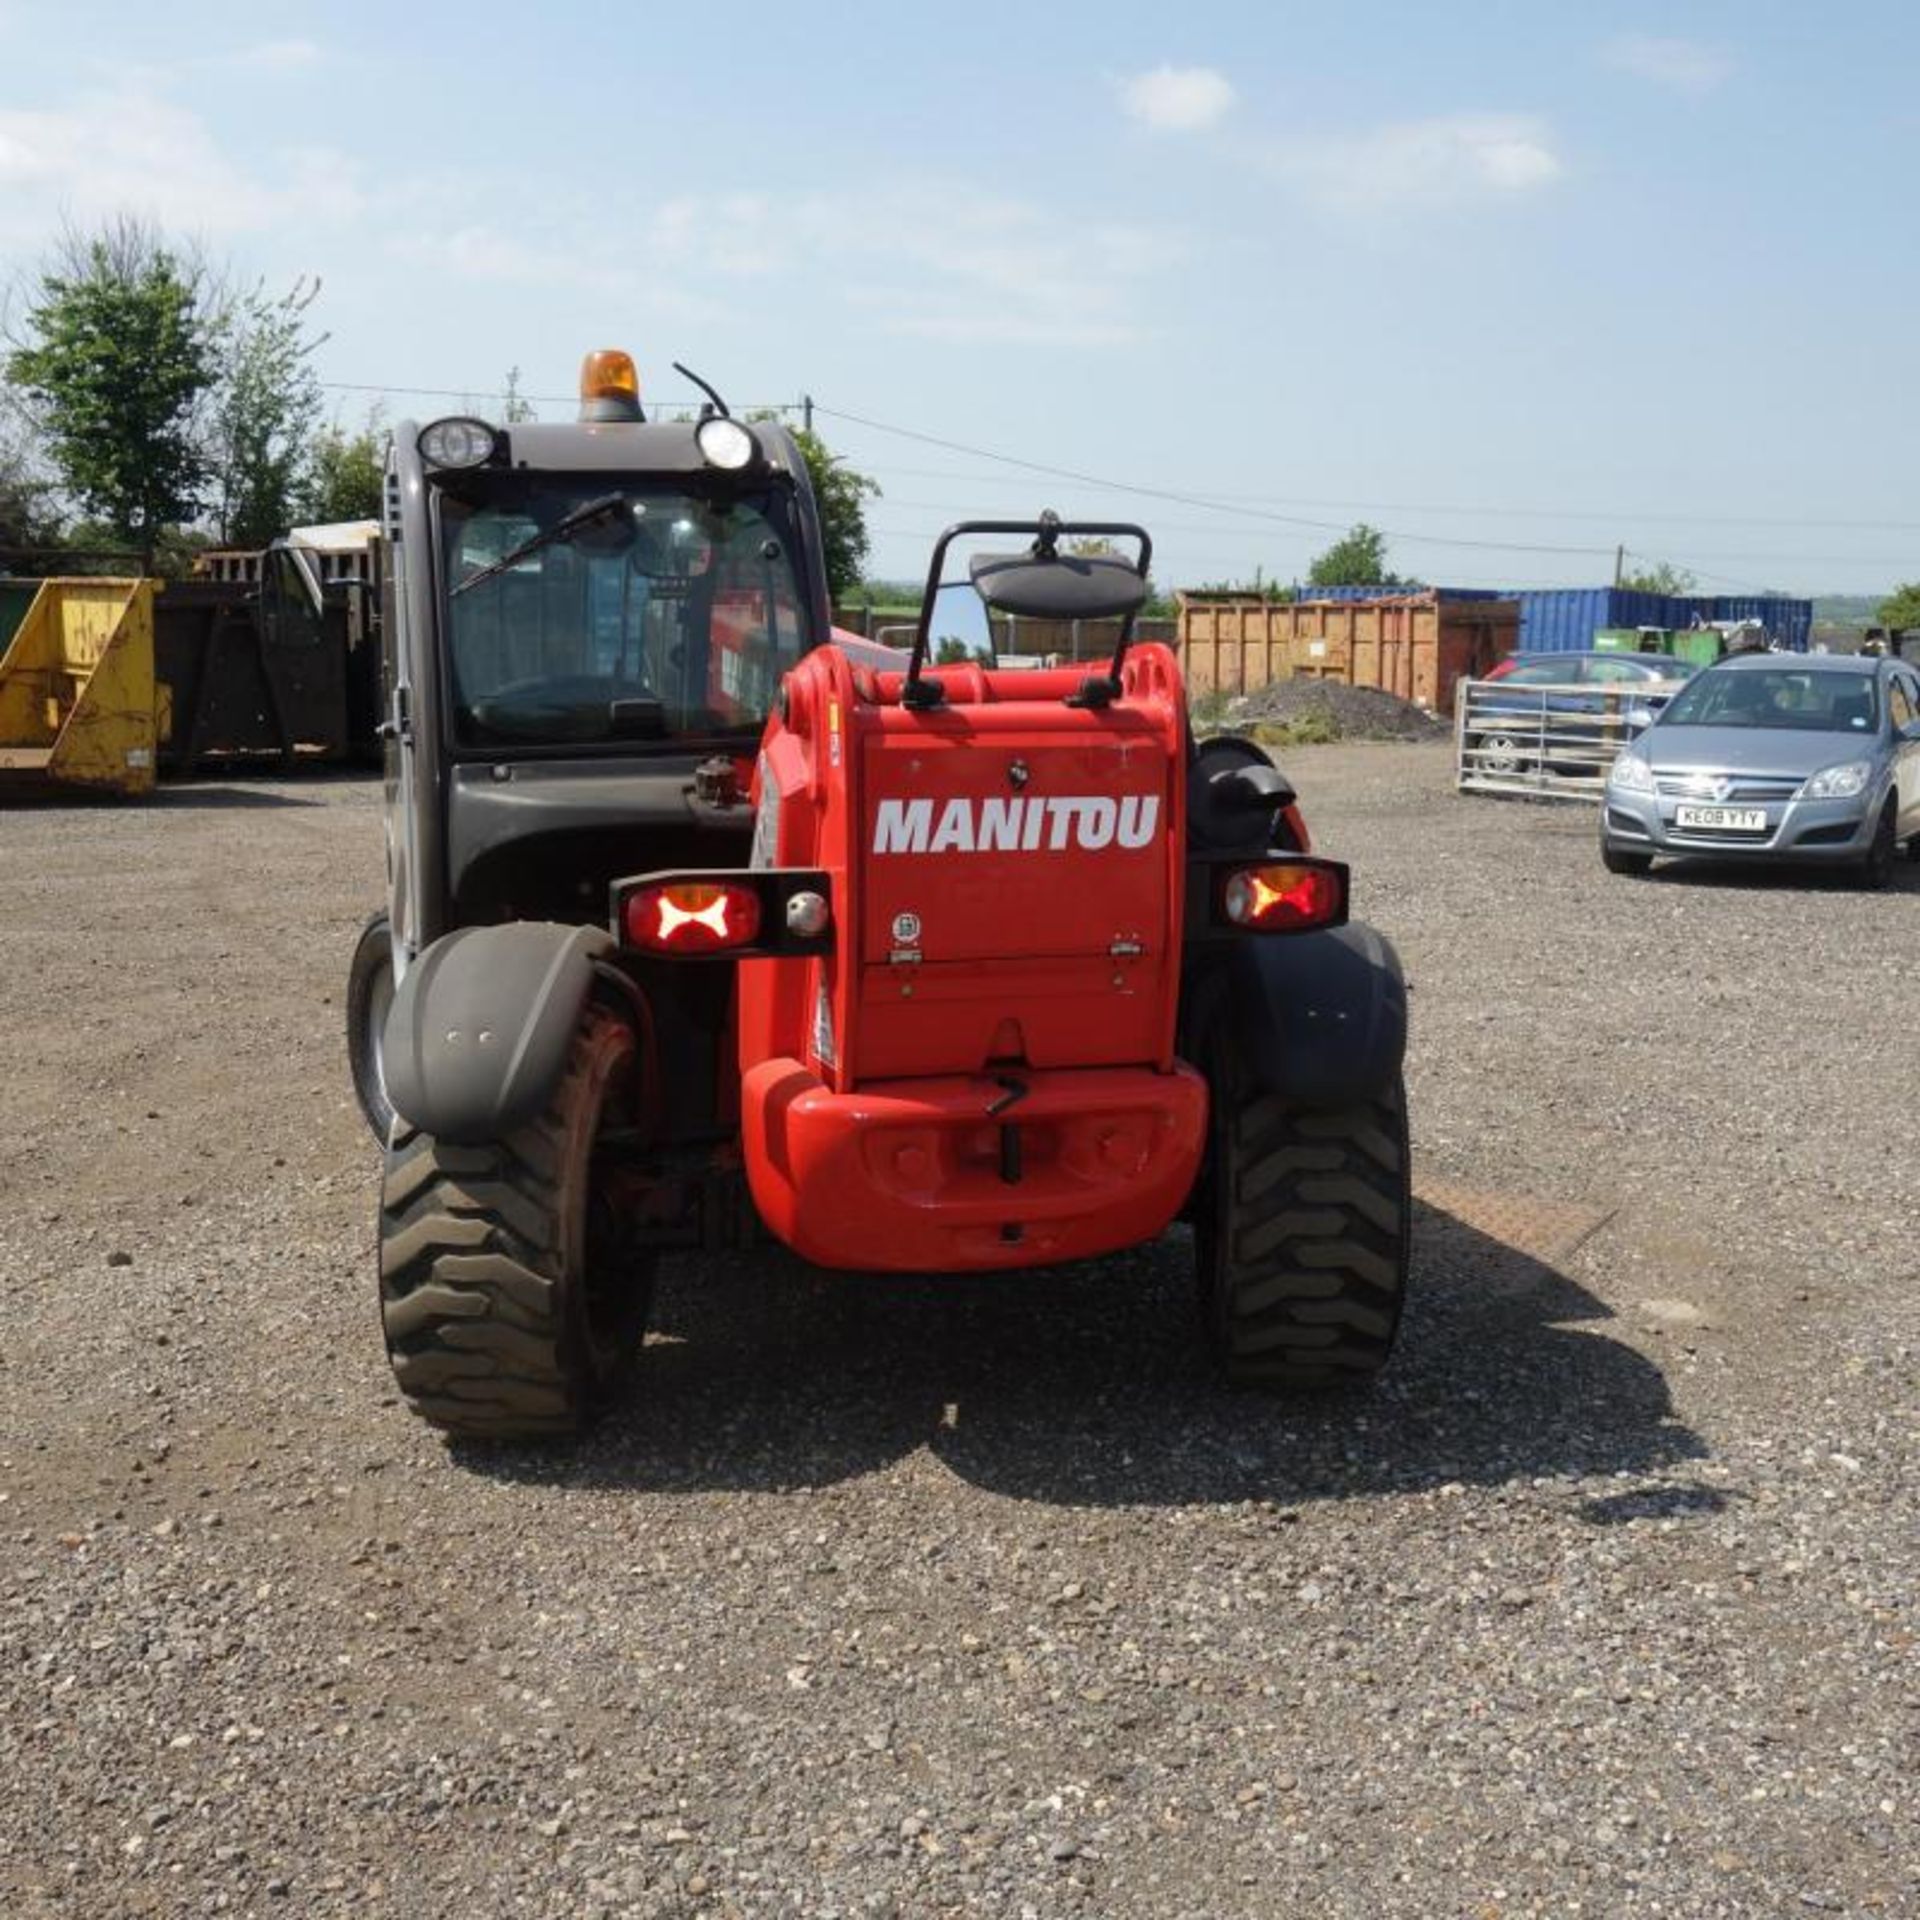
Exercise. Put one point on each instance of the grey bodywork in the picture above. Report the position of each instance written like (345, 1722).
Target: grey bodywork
(1764, 767)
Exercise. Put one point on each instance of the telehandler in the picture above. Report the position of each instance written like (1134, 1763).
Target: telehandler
(706, 923)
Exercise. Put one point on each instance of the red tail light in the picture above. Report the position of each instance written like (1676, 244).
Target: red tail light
(1285, 896)
(693, 916)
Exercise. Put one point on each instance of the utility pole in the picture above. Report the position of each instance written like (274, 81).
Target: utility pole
(1619, 564)
(806, 411)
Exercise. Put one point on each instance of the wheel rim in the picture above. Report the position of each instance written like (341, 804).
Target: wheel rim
(379, 1005)
(1500, 754)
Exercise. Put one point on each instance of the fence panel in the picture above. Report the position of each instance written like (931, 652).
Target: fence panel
(1554, 742)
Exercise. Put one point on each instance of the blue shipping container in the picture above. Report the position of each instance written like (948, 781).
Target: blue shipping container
(1565, 619)
(1789, 621)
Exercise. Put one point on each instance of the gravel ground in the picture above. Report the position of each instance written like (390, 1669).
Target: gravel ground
(912, 1599)
(1348, 713)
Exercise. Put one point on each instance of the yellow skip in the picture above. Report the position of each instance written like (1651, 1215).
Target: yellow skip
(79, 706)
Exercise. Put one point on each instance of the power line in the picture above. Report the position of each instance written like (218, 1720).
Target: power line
(1197, 500)
(1615, 517)
(1175, 526)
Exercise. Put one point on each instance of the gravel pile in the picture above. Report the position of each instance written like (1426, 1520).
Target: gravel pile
(1335, 711)
(896, 1598)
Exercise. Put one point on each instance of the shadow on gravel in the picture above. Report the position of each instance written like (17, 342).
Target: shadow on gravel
(1088, 1387)
(1741, 877)
(219, 799)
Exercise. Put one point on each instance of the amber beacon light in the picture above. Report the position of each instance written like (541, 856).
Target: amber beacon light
(609, 386)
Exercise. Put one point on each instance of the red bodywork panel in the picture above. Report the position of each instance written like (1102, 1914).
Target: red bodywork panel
(1007, 878)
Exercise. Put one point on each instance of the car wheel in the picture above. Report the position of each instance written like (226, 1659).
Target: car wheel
(1876, 870)
(1623, 860)
(1501, 758)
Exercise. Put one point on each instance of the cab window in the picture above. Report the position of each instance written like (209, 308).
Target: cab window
(580, 610)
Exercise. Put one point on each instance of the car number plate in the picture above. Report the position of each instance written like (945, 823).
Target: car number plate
(1722, 819)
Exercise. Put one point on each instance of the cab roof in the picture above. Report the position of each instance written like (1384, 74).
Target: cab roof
(666, 446)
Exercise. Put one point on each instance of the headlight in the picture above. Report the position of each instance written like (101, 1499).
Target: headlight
(726, 443)
(457, 443)
(1838, 783)
(1631, 774)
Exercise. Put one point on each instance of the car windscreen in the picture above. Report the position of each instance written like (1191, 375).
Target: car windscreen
(1799, 698)
(581, 609)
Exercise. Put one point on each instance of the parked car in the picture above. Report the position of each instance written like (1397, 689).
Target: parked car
(1813, 757)
(1545, 695)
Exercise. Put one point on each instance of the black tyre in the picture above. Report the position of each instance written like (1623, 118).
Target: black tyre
(1624, 860)
(511, 1302)
(1302, 1231)
(369, 996)
(1876, 870)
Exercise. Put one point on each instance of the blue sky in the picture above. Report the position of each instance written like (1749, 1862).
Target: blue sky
(1543, 278)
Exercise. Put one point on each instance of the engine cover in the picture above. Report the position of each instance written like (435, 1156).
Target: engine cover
(1007, 872)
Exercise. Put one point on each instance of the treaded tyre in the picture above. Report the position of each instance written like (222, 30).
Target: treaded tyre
(369, 997)
(1625, 860)
(1876, 870)
(511, 1304)
(1302, 1233)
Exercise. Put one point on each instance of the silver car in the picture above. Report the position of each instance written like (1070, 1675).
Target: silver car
(1768, 756)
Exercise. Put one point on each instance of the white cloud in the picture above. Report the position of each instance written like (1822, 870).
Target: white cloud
(1424, 163)
(1178, 99)
(131, 150)
(956, 263)
(1682, 66)
(486, 253)
(274, 56)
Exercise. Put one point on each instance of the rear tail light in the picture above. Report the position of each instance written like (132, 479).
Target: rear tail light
(1284, 896)
(692, 916)
(725, 913)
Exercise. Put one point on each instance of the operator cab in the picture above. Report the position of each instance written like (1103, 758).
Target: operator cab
(589, 612)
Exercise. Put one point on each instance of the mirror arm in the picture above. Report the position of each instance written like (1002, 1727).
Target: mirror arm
(1046, 530)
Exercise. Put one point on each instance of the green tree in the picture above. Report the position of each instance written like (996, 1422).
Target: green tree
(1662, 577)
(842, 494)
(121, 351)
(345, 475)
(1902, 607)
(1357, 560)
(264, 414)
(30, 527)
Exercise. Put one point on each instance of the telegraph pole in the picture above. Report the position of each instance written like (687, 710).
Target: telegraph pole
(1619, 563)
(806, 412)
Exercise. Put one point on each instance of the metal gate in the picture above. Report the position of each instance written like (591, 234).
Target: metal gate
(1553, 741)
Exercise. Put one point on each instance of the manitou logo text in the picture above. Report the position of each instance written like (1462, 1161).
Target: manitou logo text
(1091, 821)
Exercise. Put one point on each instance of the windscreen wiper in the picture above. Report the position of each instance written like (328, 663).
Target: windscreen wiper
(562, 529)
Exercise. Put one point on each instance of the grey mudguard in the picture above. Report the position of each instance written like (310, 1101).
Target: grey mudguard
(1320, 1017)
(478, 1035)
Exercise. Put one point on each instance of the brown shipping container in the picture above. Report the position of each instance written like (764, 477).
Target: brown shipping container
(1416, 645)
